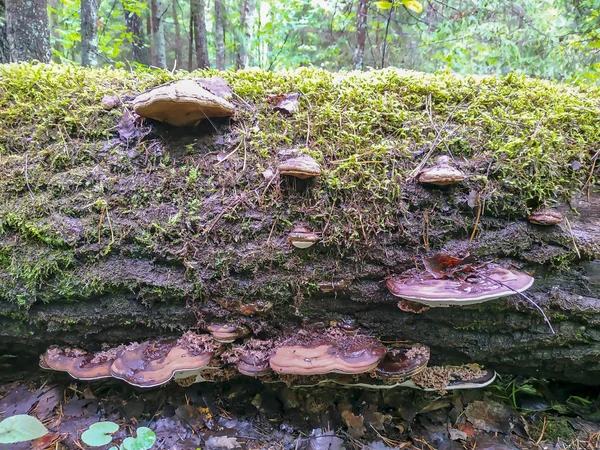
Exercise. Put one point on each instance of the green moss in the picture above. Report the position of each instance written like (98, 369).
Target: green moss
(169, 198)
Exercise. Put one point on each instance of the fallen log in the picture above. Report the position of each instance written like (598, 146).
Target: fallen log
(114, 228)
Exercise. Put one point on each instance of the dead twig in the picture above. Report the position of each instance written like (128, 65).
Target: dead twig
(543, 431)
(479, 211)
(573, 237)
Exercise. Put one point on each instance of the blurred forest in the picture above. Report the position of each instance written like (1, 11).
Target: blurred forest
(556, 39)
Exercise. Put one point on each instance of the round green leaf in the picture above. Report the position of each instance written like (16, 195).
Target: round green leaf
(21, 428)
(98, 434)
(144, 440)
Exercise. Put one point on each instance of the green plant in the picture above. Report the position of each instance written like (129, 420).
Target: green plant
(21, 428)
(99, 434)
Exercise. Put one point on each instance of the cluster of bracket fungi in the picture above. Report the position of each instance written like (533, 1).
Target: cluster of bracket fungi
(314, 354)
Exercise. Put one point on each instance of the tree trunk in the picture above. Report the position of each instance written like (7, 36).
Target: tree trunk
(244, 34)
(135, 26)
(28, 34)
(127, 241)
(191, 44)
(89, 32)
(220, 34)
(361, 34)
(159, 46)
(4, 57)
(198, 11)
(178, 46)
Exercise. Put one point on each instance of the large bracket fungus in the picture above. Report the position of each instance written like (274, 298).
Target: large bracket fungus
(478, 287)
(441, 174)
(182, 103)
(78, 363)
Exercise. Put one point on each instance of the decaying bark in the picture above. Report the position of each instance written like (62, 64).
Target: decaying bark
(27, 30)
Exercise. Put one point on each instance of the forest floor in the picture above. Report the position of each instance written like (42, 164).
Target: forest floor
(248, 414)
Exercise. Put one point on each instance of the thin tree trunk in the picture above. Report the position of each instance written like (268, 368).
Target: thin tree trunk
(361, 34)
(220, 34)
(151, 50)
(178, 46)
(89, 32)
(3, 38)
(244, 33)
(199, 17)
(158, 35)
(28, 34)
(191, 45)
(135, 27)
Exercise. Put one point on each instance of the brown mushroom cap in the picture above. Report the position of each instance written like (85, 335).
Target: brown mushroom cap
(302, 167)
(400, 364)
(545, 217)
(151, 364)
(357, 354)
(442, 174)
(486, 284)
(227, 333)
(302, 237)
(77, 363)
(253, 366)
(183, 103)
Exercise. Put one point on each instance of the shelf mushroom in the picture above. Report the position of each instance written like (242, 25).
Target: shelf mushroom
(545, 217)
(400, 364)
(342, 354)
(227, 333)
(78, 363)
(441, 174)
(483, 285)
(302, 167)
(182, 103)
(302, 237)
(151, 364)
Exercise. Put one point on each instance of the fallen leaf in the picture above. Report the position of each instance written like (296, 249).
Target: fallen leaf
(222, 442)
(285, 103)
(126, 127)
(355, 424)
(489, 416)
(443, 265)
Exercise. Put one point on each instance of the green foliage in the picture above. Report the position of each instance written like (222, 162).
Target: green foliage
(99, 434)
(21, 428)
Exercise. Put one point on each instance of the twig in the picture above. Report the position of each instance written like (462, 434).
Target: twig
(27, 177)
(543, 431)
(100, 223)
(573, 237)
(479, 211)
(229, 209)
(112, 234)
(387, 27)
(523, 296)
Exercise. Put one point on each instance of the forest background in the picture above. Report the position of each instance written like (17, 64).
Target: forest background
(556, 39)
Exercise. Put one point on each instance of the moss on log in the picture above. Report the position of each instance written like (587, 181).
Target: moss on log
(110, 237)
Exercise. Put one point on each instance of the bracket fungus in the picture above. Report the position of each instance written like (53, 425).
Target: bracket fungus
(332, 352)
(227, 333)
(441, 174)
(545, 217)
(301, 167)
(480, 286)
(182, 103)
(402, 363)
(302, 237)
(151, 364)
(444, 378)
(78, 363)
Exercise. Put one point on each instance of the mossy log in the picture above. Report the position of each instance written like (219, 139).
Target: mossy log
(113, 231)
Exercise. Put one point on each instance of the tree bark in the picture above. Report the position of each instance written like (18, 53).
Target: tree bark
(4, 57)
(361, 34)
(159, 47)
(219, 34)
(135, 26)
(198, 11)
(89, 32)
(125, 244)
(178, 46)
(244, 34)
(28, 34)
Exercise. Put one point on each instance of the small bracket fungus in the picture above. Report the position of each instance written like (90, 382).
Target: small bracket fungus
(227, 333)
(444, 378)
(400, 364)
(151, 364)
(545, 217)
(301, 167)
(480, 286)
(253, 366)
(183, 103)
(441, 174)
(251, 357)
(333, 352)
(78, 363)
(302, 237)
